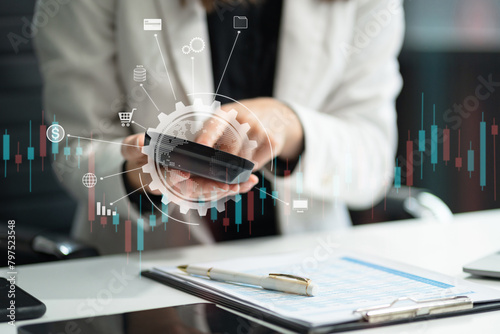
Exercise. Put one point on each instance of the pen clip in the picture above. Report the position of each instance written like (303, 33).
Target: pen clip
(290, 277)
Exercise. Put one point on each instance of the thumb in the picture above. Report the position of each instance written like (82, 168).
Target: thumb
(132, 147)
(178, 176)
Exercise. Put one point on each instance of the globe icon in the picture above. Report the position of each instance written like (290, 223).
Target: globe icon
(89, 180)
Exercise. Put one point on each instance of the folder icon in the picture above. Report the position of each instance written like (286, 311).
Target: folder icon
(152, 24)
(240, 22)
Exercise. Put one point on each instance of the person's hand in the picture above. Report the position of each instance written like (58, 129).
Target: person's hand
(274, 126)
(178, 180)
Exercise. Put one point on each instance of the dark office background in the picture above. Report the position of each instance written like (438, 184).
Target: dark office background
(449, 44)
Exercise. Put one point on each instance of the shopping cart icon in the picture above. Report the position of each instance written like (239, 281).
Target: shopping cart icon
(126, 117)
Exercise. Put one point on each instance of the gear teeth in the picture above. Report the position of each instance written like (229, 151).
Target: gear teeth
(252, 144)
(202, 210)
(154, 135)
(164, 199)
(147, 168)
(183, 209)
(148, 150)
(215, 105)
(162, 117)
(198, 103)
(153, 186)
(220, 205)
(245, 127)
(232, 114)
(179, 105)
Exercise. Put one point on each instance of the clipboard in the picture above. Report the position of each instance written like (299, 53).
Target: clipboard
(421, 311)
(400, 310)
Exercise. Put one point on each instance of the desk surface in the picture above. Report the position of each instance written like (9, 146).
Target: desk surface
(111, 284)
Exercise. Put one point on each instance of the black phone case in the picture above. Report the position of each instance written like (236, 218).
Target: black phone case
(26, 306)
(199, 159)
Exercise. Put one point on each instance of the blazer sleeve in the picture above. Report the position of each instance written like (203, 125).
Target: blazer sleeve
(77, 55)
(350, 143)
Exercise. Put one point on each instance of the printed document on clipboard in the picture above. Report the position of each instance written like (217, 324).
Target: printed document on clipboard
(353, 289)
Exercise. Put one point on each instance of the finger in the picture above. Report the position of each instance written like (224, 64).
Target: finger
(246, 186)
(261, 157)
(266, 152)
(263, 148)
(176, 176)
(200, 187)
(229, 142)
(206, 186)
(211, 194)
(186, 187)
(257, 132)
(132, 147)
(248, 147)
(213, 129)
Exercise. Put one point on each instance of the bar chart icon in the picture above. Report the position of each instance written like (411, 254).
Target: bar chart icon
(101, 210)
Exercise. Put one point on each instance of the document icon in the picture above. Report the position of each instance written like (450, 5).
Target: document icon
(240, 22)
(152, 24)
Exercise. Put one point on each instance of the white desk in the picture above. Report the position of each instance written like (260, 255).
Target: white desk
(81, 288)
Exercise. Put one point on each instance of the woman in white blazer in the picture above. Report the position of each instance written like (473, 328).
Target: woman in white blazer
(336, 75)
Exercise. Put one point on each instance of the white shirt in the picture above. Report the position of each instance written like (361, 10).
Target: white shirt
(336, 68)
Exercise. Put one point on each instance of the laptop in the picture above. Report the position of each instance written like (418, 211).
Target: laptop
(486, 266)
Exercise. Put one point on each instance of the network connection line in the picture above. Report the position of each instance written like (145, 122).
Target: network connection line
(104, 141)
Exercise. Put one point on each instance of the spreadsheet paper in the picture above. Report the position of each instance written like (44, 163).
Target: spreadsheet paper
(346, 282)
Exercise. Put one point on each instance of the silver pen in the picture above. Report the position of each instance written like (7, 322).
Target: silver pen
(278, 282)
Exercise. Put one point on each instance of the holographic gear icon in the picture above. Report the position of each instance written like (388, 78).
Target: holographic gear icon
(172, 122)
(186, 49)
(197, 48)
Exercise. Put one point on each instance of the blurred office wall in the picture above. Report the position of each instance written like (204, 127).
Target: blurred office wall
(449, 45)
(46, 206)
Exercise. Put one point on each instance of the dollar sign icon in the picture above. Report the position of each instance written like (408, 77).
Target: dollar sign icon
(55, 133)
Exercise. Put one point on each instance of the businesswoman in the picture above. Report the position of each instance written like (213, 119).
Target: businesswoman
(319, 77)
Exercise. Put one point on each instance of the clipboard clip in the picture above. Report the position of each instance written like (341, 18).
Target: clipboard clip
(393, 311)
